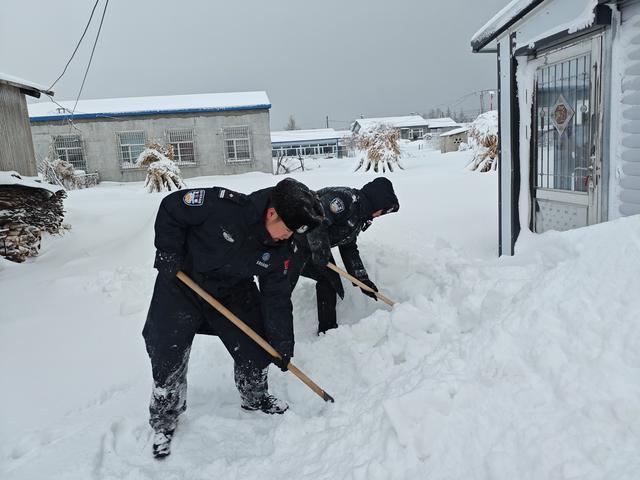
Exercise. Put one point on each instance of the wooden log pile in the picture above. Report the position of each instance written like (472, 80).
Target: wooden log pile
(25, 214)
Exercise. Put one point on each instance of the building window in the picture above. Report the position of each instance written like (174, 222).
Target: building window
(183, 146)
(237, 144)
(130, 144)
(70, 148)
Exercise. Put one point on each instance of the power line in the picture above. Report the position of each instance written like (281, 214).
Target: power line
(77, 46)
(91, 57)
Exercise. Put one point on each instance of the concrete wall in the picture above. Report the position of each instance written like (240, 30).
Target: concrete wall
(102, 149)
(16, 146)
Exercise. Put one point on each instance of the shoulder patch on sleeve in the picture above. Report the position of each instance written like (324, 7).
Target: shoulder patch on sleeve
(194, 198)
(336, 205)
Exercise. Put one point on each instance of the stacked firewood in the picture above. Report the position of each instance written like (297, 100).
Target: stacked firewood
(25, 214)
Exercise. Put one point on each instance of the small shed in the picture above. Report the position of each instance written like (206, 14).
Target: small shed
(16, 146)
(436, 126)
(569, 113)
(450, 141)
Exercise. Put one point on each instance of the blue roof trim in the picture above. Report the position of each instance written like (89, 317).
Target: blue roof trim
(144, 113)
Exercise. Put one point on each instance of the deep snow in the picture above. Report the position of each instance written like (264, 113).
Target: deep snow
(512, 368)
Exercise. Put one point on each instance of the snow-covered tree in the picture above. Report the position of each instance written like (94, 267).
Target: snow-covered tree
(483, 141)
(380, 143)
(163, 175)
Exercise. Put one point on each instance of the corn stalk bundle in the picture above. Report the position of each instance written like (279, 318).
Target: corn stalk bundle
(483, 141)
(381, 147)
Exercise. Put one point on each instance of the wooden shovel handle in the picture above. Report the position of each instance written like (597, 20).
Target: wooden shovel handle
(251, 333)
(364, 286)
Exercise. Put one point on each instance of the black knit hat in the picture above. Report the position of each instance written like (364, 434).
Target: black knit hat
(381, 196)
(298, 206)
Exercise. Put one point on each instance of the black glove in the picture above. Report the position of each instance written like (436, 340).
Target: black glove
(372, 285)
(282, 363)
(167, 264)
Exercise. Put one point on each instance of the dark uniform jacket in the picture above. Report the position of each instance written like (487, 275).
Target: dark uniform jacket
(218, 237)
(347, 212)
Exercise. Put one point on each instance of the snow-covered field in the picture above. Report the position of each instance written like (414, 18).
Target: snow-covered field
(514, 368)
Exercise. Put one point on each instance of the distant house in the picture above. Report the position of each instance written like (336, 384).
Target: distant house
(319, 142)
(451, 140)
(436, 126)
(211, 134)
(16, 146)
(569, 114)
(412, 127)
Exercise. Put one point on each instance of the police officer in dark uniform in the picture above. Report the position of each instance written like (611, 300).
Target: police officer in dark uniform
(348, 211)
(222, 239)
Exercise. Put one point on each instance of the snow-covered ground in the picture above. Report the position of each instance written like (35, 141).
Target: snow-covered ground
(514, 368)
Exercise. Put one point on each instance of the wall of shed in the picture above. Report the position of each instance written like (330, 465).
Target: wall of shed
(101, 144)
(625, 181)
(16, 146)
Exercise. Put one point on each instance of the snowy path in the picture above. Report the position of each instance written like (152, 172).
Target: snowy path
(524, 367)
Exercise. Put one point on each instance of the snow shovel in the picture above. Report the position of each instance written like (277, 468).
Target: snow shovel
(353, 279)
(254, 336)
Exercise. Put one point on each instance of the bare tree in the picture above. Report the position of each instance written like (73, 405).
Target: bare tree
(291, 124)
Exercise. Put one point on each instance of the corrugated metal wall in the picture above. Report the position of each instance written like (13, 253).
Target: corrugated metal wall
(629, 154)
(16, 144)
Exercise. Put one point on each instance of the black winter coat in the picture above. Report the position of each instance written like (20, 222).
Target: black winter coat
(218, 237)
(347, 212)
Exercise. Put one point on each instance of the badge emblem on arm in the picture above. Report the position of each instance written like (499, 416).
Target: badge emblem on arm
(194, 198)
(336, 205)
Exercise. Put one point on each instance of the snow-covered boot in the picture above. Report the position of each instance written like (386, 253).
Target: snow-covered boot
(162, 444)
(254, 390)
(267, 404)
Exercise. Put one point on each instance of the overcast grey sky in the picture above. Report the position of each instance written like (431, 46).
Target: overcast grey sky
(336, 58)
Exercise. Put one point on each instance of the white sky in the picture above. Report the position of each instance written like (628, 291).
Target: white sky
(334, 58)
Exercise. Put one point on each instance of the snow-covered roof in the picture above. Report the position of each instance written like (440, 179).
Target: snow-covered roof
(455, 131)
(443, 122)
(31, 88)
(14, 178)
(398, 122)
(506, 17)
(559, 16)
(139, 106)
(315, 134)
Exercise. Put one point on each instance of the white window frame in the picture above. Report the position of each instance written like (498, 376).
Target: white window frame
(178, 141)
(66, 143)
(232, 136)
(128, 164)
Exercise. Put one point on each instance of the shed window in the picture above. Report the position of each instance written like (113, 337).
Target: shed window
(131, 144)
(237, 144)
(70, 148)
(183, 145)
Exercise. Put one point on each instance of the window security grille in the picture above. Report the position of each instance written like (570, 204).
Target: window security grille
(237, 144)
(183, 145)
(130, 145)
(71, 149)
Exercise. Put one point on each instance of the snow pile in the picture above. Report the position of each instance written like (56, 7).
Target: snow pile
(487, 368)
(483, 142)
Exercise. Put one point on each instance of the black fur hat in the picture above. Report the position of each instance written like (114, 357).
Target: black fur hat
(299, 207)
(381, 196)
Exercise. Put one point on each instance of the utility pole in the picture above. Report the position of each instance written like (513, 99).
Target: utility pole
(327, 121)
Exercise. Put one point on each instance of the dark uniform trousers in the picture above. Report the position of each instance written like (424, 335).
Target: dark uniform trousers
(176, 314)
